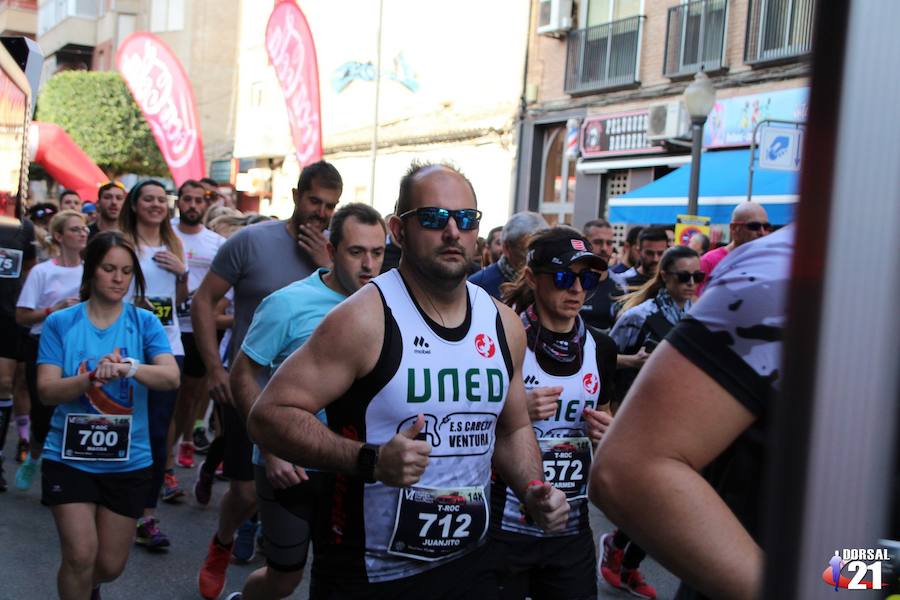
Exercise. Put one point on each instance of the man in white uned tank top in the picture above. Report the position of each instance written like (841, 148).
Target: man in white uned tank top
(420, 375)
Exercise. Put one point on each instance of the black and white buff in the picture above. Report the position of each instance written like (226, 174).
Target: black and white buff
(561, 347)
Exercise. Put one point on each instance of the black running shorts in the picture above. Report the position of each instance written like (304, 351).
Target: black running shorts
(545, 568)
(467, 577)
(11, 339)
(287, 517)
(122, 493)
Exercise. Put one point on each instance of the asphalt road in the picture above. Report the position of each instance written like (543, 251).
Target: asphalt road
(30, 550)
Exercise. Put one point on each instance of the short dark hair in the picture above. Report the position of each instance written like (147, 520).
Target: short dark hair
(704, 241)
(363, 213)
(598, 223)
(94, 253)
(404, 198)
(652, 234)
(321, 173)
(65, 193)
(631, 237)
(208, 181)
(189, 183)
(498, 230)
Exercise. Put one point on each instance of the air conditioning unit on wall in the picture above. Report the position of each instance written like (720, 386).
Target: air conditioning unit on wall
(668, 121)
(554, 17)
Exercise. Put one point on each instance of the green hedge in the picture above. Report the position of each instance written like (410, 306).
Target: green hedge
(97, 111)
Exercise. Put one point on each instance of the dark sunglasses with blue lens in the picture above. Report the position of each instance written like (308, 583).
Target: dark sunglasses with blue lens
(563, 280)
(432, 217)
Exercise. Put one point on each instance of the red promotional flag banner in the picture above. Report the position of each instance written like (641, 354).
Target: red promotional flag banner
(163, 92)
(292, 52)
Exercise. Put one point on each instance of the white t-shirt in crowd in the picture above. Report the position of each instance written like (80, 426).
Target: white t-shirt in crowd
(47, 284)
(161, 287)
(199, 250)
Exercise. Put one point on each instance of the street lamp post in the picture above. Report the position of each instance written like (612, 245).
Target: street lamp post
(699, 97)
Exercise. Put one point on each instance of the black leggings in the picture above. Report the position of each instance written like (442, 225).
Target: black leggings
(41, 414)
(216, 452)
(634, 554)
(160, 408)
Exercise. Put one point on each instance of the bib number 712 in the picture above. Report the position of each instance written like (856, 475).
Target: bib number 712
(462, 522)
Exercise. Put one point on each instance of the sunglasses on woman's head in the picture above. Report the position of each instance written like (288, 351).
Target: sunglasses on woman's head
(685, 276)
(432, 217)
(563, 280)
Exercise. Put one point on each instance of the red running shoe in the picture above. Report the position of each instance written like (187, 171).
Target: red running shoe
(633, 581)
(611, 561)
(212, 574)
(185, 458)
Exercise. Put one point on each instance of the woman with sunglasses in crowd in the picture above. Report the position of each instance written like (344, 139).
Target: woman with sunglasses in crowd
(145, 222)
(568, 373)
(647, 315)
(51, 286)
(96, 362)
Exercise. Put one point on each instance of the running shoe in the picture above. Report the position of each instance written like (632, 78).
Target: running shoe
(234, 596)
(633, 581)
(171, 490)
(186, 455)
(203, 485)
(611, 561)
(149, 535)
(22, 449)
(25, 473)
(2, 478)
(201, 440)
(245, 543)
(211, 579)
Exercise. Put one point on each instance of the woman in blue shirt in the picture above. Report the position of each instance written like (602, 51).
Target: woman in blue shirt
(96, 361)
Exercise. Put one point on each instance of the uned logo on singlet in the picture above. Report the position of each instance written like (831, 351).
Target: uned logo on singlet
(477, 384)
(591, 383)
(484, 345)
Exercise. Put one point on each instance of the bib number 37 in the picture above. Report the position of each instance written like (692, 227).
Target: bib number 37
(432, 524)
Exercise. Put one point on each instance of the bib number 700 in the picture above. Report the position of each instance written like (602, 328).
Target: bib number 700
(462, 522)
(99, 438)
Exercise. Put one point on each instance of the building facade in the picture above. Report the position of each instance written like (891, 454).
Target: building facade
(615, 72)
(203, 34)
(450, 83)
(18, 17)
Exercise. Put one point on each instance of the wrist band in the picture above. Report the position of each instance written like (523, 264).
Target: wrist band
(533, 483)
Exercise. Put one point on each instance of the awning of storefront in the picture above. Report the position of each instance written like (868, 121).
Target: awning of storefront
(723, 184)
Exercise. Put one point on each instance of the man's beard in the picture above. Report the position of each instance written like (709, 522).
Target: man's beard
(104, 214)
(310, 221)
(191, 218)
(442, 274)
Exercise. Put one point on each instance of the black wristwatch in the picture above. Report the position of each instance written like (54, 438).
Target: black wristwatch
(366, 461)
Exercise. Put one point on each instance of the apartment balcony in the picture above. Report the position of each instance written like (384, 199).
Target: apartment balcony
(18, 17)
(604, 57)
(778, 30)
(695, 38)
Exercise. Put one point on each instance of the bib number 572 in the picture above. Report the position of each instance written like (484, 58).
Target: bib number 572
(563, 470)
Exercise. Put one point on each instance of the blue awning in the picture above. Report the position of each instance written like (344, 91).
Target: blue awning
(723, 185)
